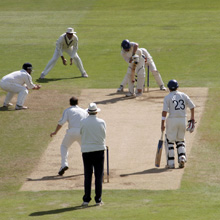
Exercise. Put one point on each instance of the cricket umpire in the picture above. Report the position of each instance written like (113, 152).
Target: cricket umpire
(93, 132)
(176, 103)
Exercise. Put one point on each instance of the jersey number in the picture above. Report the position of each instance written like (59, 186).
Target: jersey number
(179, 104)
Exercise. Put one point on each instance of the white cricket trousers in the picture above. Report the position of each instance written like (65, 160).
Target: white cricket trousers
(152, 68)
(176, 129)
(56, 55)
(72, 135)
(12, 89)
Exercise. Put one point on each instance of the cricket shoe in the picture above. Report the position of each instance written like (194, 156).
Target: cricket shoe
(7, 105)
(182, 162)
(42, 76)
(138, 94)
(163, 88)
(130, 95)
(62, 170)
(99, 203)
(85, 204)
(120, 89)
(170, 166)
(85, 75)
(18, 107)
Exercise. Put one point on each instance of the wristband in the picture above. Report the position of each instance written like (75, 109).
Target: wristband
(163, 118)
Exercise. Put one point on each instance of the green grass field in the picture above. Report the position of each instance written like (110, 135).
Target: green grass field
(183, 38)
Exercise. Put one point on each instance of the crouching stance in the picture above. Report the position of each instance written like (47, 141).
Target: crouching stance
(176, 103)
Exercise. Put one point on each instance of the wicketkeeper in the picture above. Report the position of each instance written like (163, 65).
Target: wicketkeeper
(176, 103)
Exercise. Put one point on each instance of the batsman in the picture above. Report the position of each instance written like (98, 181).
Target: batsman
(176, 103)
(135, 58)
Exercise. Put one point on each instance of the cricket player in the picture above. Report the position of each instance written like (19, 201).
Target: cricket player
(67, 42)
(176, 103)
(18, 82)
(131, 50)
(73, 115)
(135, 58)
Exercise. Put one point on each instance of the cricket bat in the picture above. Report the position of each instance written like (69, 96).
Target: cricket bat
(133, 72)
(159, 151)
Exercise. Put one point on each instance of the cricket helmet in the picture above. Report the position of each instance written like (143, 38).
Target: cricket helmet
(27, 66)
(172, 85)
(125, 44)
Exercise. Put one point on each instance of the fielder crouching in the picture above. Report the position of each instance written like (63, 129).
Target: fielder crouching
(176, 103)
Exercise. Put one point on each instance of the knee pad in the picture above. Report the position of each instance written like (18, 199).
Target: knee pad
(181, 149)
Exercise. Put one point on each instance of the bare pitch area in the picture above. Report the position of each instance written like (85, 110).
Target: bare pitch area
(133, 130)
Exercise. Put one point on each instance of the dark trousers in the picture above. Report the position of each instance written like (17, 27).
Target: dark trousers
(93, 160)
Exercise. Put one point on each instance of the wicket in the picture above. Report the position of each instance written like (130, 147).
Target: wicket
(107, 165)
(148, 78)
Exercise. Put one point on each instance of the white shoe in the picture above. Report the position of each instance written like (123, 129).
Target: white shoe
(120, 89)
(85, 75)
(162, 87)
(138, 94)
(129, 94)
(170, 166)
(99, 203)
(42, 76)
(18, 107)
(85, 204)
(7, 105)
(182, 162)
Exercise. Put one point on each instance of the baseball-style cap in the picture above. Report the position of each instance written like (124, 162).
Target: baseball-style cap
(27, 66)
(70, 31)
(93, 108)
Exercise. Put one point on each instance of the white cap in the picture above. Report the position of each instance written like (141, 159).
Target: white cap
(93, 108)
(70, 31)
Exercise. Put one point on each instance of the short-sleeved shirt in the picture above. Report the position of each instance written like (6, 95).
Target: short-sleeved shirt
(21, 77)
(93, 132)
(73, 115)
(176, 103)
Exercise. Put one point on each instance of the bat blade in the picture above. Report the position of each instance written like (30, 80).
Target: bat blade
(159, 151)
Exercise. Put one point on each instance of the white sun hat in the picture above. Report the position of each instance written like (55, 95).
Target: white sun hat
(93, 108)
(70, 31)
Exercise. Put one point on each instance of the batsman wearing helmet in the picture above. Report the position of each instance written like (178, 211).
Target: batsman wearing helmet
(130, 48)
(134, 56)
(176, 103)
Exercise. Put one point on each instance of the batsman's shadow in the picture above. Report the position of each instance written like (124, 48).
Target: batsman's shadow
(57, 177)
(150, 171)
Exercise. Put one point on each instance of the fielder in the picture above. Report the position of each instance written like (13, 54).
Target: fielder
(67, 42)
(176, 103)
(131, 48)
(73, 115)
(18, 82)
(134, 56)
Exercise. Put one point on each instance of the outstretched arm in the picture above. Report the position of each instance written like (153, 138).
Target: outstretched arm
(57, 129)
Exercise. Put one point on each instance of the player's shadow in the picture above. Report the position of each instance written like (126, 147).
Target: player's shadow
(58, 211)
(4, 109)
(47, 80)
(57, 177)
(150, 171)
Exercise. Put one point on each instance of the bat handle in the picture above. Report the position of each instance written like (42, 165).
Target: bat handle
(162, 135)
